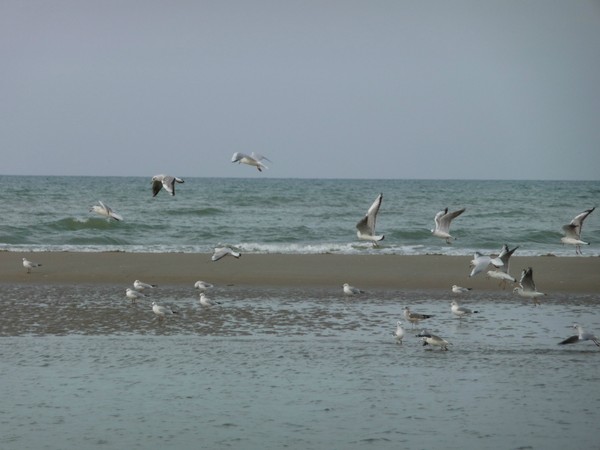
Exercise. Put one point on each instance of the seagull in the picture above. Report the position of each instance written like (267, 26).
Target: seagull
(106, 211)
(254, 159)
(414, 317)
(133, 295)
(203, 285)
(29, 265)
(164, 181)
(527, 286)
(459, 289)
(351, 290)
(461, 311)
(162, 311)
(501, 272)
(140, 286)
(366, 226)
(573, 231)
(433, 340)
(399, 333)
(221, 252)
(205, 301)
(479, 263)
(581, 336)
(442, 223)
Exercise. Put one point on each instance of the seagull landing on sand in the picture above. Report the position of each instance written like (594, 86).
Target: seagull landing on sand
(254, 159)
(459, 289)
(527, 286)
(162, 311)
(366, 226)
(106, 211)
(461, 311)
(573, 231)
(203, 285)
(442, 224)
(581, 336)
(414, 317)
(480, 262)
(164, 181)
(501, 273)
(351, 290)
(399, 333)
(133, 295)
(433, 340)
(29, 265)
(222, 252)
(140, 286)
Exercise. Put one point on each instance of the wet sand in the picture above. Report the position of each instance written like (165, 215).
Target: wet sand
(551, 274)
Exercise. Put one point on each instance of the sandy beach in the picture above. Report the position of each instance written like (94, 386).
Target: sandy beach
(551, 274)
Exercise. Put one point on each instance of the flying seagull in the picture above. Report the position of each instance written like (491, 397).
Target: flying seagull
(581, 336)
(30, 265)
(106, 211)
(164, 181)
(254, 159)
(501, 273)
(480, 262)
(573, 231)
(526, 286)
(442, 224)
(366, 226)
(221, 252)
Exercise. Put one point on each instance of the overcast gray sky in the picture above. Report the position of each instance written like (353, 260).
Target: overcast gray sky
(338, 89)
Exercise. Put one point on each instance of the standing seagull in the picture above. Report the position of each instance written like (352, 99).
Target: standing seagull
(442, 223)
(221, 252)
(140, 285)
(254, 159)
(399, 333)
(205, 301)
(106, 211)
(351, 290)
(29, 265)
(162, 311)
(133, 295)
(414, 317)
(573, 231)
(527, 286)
(366, 226)
(581, 336)
(433, 340)
(461, 311)
(164, 181)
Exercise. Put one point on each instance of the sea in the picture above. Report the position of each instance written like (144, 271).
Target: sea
(301, 367)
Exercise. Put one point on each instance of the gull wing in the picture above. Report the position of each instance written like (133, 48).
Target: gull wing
(573, 230)
(443, 221)
(570, 340)
(367, 224)
(527, 280)
(156, 186)
(259, 157)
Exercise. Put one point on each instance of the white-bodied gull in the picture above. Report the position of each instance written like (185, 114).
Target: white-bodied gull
(573, 231)
(203, 285)
(459, 289)
(433, 340)
(527, 288)
(460, 311)
(140, 285)
(205, 301)
(399, 333)
(254, 159)
(366, 226)
(502, 272)
(30, 265)
(103, 209)
(443, 219)
(480, 262)
(133, 295)
(162, 311)
(580, 336)
(351, 290)
(164, 181)
(221, 252)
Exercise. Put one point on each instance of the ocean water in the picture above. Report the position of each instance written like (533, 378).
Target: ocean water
(293, 368)
(292, 215)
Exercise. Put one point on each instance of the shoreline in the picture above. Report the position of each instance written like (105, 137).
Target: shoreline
(414, 272)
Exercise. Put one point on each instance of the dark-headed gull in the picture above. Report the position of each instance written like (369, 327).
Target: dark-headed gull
(254, 159)
(573, 231)
(164, 181)
(580, 336)
(443, 219)
(526, 286)
(106, 211)
(30, 265)
(366, 226)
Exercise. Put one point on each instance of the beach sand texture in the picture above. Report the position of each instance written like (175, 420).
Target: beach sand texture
(551, 274)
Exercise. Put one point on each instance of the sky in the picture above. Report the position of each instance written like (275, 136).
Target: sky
(428, 89)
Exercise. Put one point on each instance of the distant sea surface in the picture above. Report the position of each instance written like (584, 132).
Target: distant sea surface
(302, 216)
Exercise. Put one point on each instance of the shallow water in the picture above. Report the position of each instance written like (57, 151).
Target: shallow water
(292, 368)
